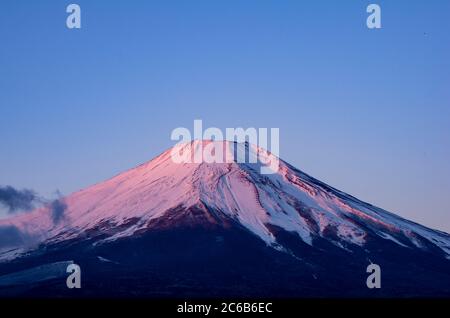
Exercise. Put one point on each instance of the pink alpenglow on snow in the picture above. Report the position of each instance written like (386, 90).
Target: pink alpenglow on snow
(286, 199)
(208, 151)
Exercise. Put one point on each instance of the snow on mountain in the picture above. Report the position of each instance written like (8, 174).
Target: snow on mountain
(288, 199)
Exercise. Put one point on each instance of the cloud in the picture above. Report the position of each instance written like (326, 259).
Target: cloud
(26, 200)
(18, 200)
(11, 236)
(58, 208)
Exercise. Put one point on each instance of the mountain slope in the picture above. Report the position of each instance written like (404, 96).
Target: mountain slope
(287, 221)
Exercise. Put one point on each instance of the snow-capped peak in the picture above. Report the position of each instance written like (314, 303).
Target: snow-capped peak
(233, 189)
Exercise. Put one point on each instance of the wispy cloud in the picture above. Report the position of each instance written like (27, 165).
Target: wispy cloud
(25, 200)
(11, 236)
(18, 200)
(58, 208)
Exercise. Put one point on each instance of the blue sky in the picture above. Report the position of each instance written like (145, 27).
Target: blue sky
(367, 111)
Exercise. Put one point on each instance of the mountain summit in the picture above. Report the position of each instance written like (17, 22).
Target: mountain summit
(182, 227)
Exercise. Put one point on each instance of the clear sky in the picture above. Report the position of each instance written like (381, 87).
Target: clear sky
(366, 111)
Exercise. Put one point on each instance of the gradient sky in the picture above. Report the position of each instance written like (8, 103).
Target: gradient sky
(366, 111)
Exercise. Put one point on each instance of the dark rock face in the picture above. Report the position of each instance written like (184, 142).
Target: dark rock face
(196, 252)
(165, 230)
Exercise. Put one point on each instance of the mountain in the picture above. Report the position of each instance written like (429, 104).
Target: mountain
(166, 229)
